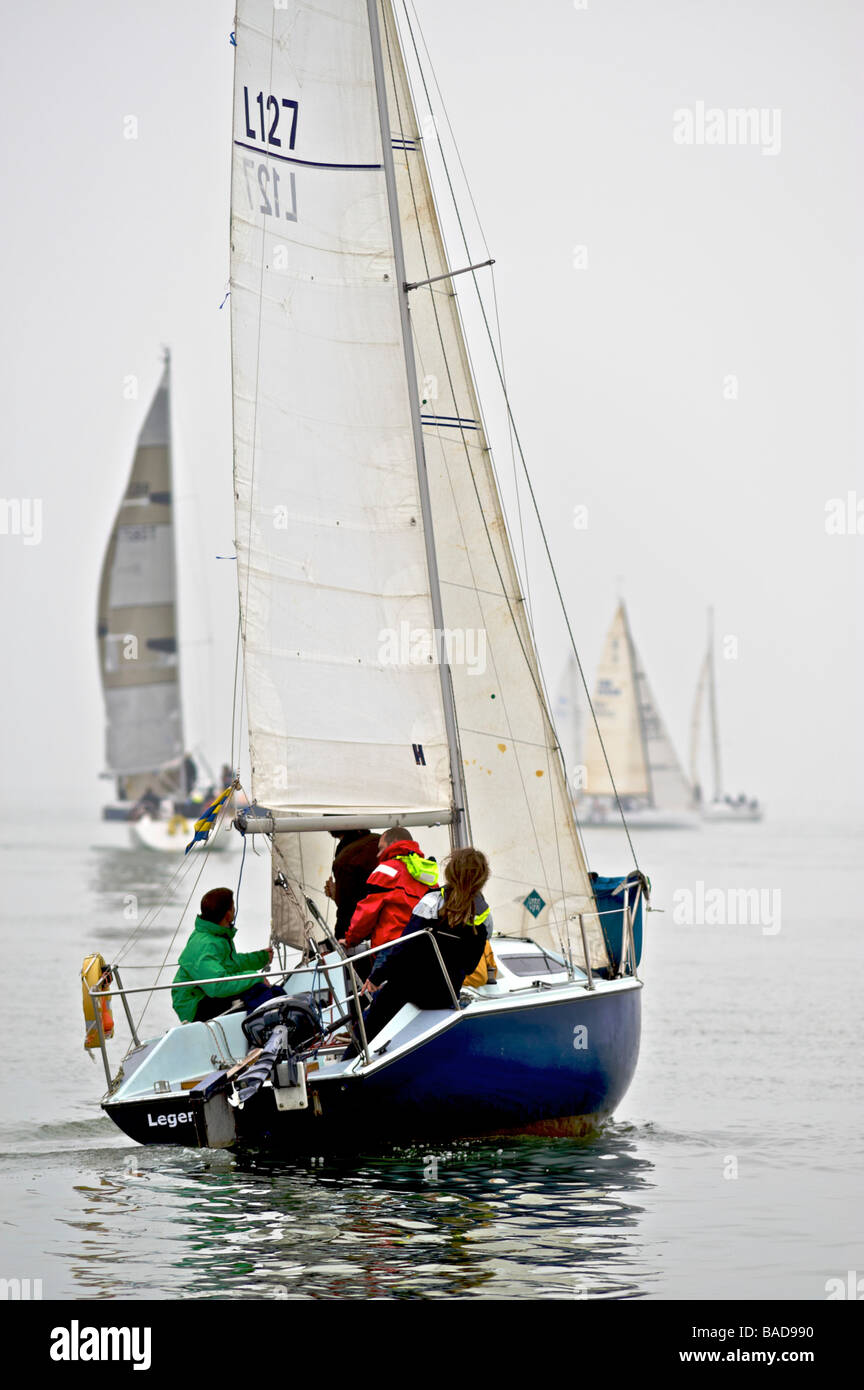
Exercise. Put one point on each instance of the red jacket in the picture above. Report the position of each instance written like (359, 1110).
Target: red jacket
(392, 893)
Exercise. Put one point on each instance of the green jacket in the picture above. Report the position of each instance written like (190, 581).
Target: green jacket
(210, 952)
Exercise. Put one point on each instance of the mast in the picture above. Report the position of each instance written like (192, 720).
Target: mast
(460, 829)
(712, 706)
(696, 726)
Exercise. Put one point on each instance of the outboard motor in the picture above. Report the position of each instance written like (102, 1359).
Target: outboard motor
(296, 1013)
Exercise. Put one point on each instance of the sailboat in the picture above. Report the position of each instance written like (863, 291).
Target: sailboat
(373, 555)
(721, 807)
(630, 738)
(569, 718)
(138, 651)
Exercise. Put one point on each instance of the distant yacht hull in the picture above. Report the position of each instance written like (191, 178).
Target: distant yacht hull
(173, 835)
(719, 811)
(643, 818)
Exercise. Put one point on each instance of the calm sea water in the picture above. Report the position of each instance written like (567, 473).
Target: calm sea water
(732, 1169)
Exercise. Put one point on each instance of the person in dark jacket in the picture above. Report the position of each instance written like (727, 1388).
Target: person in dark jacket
(209, 953)
(399, 880)
(355, 857)
(458, 919)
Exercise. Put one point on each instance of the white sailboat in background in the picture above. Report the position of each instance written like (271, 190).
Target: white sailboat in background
(570, 719)
(366, 513)
(652, 788)
(721, 807)
(138, 650)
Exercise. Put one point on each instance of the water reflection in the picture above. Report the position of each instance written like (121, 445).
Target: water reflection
(532, 1219)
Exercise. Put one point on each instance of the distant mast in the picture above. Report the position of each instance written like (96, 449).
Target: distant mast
(137, 620)
(706, 687)
(712, 708)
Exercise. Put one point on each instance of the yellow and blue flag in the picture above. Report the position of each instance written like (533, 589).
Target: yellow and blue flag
(205, 824)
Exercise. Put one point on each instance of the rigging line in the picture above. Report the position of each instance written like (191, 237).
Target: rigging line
(455, 203)
(204, 857)
(516, 488)
(505, 594)
(504, 705)
(413, 386)
(234, 760)
(504, 586)
(518, 585)
(150, 916)
(518, 441)
(244, 606)
(422, 72)
(240, 880)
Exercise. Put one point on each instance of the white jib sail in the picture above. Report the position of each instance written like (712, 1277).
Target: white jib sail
(616, 706)
(670, 790)
(323, 429)
(641, 755)
(137, 626)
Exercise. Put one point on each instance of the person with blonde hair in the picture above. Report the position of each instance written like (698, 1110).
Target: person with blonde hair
(457, 917)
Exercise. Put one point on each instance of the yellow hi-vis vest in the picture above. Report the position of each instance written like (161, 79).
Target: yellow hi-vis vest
(424, 870)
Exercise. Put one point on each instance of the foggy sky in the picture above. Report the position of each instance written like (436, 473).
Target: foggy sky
(701, 263)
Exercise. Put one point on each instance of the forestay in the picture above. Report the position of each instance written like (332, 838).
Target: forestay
(137, 627)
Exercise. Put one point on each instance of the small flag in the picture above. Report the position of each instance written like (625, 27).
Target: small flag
(534, 903)
(205, 824)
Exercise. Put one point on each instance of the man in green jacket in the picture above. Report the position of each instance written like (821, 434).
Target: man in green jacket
(210, 953)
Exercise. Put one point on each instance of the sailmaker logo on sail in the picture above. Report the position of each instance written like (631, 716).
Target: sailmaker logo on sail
(419, 646)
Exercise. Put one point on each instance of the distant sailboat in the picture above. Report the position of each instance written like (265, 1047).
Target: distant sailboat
(648, 777)
(138, 652)
(569, 719)
(721, 807)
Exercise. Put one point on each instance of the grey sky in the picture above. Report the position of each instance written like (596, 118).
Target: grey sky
(703, 262)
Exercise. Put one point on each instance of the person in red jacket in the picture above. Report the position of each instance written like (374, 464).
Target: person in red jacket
(399, 880)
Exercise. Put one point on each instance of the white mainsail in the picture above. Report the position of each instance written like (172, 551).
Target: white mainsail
(331, 558)
(640, 752)
(137, 623)
(616, 707)
(345, 703)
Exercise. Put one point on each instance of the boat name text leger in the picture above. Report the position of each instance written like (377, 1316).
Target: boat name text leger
(182, 1117)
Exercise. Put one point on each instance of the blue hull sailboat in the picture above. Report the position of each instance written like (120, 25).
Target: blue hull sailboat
(391, 673)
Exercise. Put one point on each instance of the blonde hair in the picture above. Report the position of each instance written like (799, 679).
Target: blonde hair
(465, 873)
